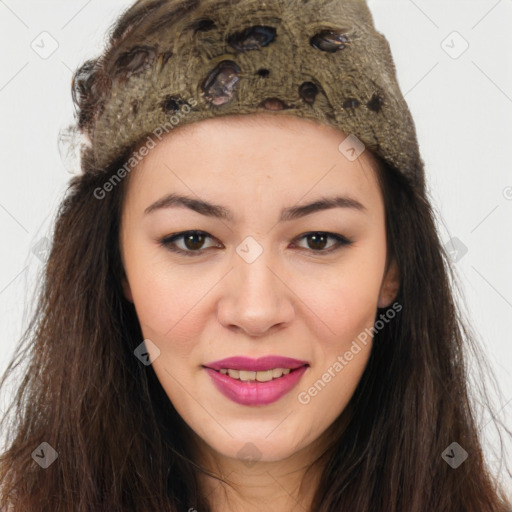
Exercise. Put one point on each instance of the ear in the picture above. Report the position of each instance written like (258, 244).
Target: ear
(126, 288)
(390, 286)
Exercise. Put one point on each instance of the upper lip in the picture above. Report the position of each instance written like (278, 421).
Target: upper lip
(255, 365)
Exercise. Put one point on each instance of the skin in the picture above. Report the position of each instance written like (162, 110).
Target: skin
(290, 301)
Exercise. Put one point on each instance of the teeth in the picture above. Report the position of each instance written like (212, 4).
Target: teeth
(262, 376)
(277, 372)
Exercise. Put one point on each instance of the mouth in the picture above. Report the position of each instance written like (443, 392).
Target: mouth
(258, 376)
(256, 387)
(262, 364)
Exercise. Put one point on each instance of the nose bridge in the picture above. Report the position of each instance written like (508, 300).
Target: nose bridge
(255, 280)
(256, 299)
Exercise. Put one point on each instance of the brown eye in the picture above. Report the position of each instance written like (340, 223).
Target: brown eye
(316, 241)
(193, 242)
(319, 241)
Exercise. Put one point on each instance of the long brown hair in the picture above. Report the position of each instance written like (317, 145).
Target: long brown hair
(121, 444)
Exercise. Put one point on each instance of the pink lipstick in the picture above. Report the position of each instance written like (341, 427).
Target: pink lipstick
(276, 376)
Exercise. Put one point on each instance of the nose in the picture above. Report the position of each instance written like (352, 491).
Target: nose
(256, 299)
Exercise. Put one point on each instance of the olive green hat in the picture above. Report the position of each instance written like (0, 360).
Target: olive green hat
(171, 63)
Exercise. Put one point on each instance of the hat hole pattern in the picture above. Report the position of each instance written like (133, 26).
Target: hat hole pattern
(171, 104)
(350, 103)
(164, 57)
(375, 103)
(330, 40)
(219, 85)
(308, 92)
(263, 72)
(134, 61)
(203, 25)
(252, 38)
(273, 104)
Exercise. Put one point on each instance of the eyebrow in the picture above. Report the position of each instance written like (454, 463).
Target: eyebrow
(220, 212)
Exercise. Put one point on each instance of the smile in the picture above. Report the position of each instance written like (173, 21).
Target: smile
(256, 388)
(261, 376)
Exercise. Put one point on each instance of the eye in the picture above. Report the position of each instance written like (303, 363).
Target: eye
(317, 240)
(193, 242)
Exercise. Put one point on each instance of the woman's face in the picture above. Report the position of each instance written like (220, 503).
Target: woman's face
(266, 276)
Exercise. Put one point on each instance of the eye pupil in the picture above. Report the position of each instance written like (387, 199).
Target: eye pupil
(316, 237)
(191, 237)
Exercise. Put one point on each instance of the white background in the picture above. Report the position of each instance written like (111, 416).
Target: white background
(462, 108)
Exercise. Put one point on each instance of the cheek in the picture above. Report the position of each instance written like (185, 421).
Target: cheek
(341, 350)
(347, 304)
(348, 309)
(165, 301)
(345, 299)
(354, 300)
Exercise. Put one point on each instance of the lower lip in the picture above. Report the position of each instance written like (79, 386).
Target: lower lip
(254, 392)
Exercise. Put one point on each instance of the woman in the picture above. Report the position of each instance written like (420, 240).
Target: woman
(245, 312)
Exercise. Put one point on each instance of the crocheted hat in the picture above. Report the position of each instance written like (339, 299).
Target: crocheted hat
(172, 63)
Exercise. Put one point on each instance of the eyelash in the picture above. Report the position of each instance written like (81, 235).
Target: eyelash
(168, 242)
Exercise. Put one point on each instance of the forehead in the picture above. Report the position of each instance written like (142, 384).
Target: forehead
(283, 156)
(259, 134)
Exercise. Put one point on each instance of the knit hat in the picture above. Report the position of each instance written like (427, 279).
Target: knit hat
(172, 63)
